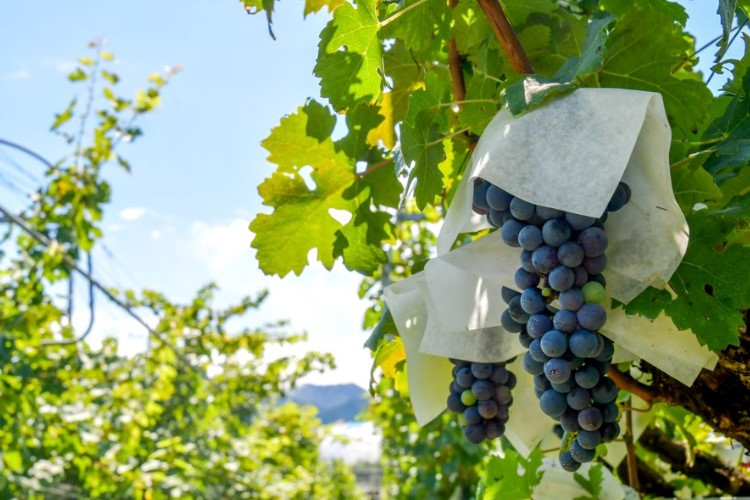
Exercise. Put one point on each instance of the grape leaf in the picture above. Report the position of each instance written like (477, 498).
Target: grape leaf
(312, 6)
(692, 184)
(673, 10)
(726, 11)
(417, 23)
(470, 27)
(349, 55)
(360, 120)
(502, 479)
(482, 103)
(302, 218)
(592, 485)
(519, 10)
(647, 50)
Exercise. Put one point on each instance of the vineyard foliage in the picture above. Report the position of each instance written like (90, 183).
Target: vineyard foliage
(85, 422)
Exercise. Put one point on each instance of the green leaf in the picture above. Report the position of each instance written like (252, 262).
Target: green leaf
(384, 327)
(671, 10)
(532, 91)
(313, 6)
(592, 485)
(13, 460)
(519, 10)
(77, 75)
(648, 50)
(482, 103)
(360, 120)
(359, 241)
(726, 11)
(418, 23)
(349, 56)
(692, 184)
(65, 116)
(502, 479)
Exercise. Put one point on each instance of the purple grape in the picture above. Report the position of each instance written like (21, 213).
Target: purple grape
(620, 197)
(544, 259)
(593, 240)
(464, 377)
(524, 339)
(499, 375)
(530, 237)
(508, 324)
(481, 370)
(535, 349)
(480, 196)
(587, 377)
(584, 344)
(472, 416)
(568, 463)
(591, 316)
(610, 412)
(553, 344)
(590, 418)
(522, 210)
(487, 409)
(595, 265)
(553, 403)
(526, 263)
(532, 301)
(569, 421)
(570, 254)
(610, 431)
(557, 370)
(503, 395)
(555, 232)
(579, 398)
(454, 404)
(541, 383)
(496, 218)
(494, 429)
(509, 232)
(538, 325)
(572, 300)
(475, 433)
(530, 365)
(607, 351)
(547, 213)
(574, 361)
(525, 279)
(508, 294)
(482, 389)
(561, 278)
(497, 198)
(602, 366)
(565, 321)
(563, 387)
(605, 391)
(582, 276)
(578, 222)
(511, 383)
(581, 454)
(589, 439)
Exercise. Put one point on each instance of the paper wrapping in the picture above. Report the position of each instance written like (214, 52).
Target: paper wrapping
(569, 155)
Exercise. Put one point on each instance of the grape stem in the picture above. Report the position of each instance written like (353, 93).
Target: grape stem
(457, 78)
(630, 448)
(627, 383)
(506, 36)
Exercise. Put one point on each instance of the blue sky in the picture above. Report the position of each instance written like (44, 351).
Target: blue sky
(180, 219)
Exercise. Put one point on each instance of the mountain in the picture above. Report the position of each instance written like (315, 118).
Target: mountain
(334, 402)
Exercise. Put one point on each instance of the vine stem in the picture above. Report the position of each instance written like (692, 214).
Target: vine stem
(400, 13)
(506, 36)
(375, 167)
(627, 383)
(630, 448)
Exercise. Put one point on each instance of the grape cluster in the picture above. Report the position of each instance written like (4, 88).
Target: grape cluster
(562, 258)
(481, 394)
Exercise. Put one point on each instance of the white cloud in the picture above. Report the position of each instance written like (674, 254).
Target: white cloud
(20, 74)
(155, 234)
(132, 213)
(60, 65)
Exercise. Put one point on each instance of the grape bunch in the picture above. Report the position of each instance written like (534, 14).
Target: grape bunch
(481, 394)
(562, 258)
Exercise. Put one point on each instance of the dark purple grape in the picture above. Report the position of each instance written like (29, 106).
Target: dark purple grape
(494, 429)
(526, 263)
(593, 240)
(521, 209)
(497, 198)
(557, 370)
(579, 398)
(502, 412)
(610, 412)
(605, 391)
(584, 344)
(482, 389)
(578, 222)
(582, 276)
(554, 343)
(555, 232)
(558, 430)
(610, 431)
(502, 395)
(590, 418)
(535, 349)
(499, 375)
(538, 325)
(530, 237)
(607, 351)
(456, 388)
(508, 294)
(495, 218)
(553, 403)
(481, 370)
(568, 463)
(587, 377)
(569, 421)
(571, 300)
(589, 439)
(525, 279)
(511, 383)
(509, 232)
(487, 409)
(454, 404)
(480, 196)
(464, 377)
(544, 259)
(524, 339)
(547, 213)
(508, 324)
(602, 366)
(532, 301)
(595, 265)
(581, 454)
(541, 383)
(475, 433)
(564, 387)
(570, 254)
(565, 321)
(620, 197)
(561, 278)
(591, 316)
(472, 416)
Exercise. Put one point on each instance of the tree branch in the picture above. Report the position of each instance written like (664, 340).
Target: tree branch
(506, 36)
(630, 448)
(705, 467)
